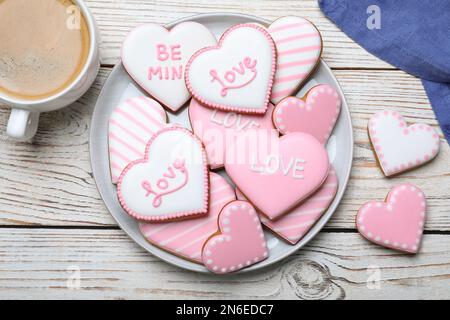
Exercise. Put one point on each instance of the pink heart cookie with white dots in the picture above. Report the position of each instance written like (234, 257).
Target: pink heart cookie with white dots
(240, 242)
(131, 125)
(398, 147)
(315, 114)
(186, 238)
(299, 46)
(397, 223)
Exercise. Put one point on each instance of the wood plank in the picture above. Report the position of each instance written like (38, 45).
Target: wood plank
(50, 181)
(117, 18)
(40, 263)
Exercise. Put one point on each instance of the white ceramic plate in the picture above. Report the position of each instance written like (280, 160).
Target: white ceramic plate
(120, 87)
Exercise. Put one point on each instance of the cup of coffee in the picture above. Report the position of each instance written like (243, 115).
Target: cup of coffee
(49, 57)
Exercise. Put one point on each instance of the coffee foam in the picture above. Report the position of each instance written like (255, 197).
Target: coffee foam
(43, 48)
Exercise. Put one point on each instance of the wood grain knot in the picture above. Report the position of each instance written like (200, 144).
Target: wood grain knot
(311, 280)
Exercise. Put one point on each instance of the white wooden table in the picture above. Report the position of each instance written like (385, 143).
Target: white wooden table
(54, 227)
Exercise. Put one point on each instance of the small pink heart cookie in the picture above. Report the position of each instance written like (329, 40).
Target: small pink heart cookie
(240, 242)
(236, 75)
(170, 182)
(186, 238)
(156, 58)
(294, 225)
(397, 223)
(131, 125)
(216, 128)
(278, 177)
(315, 114)
(299, 46)
(398, 147)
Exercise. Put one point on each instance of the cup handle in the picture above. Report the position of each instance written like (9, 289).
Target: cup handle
(22, 124)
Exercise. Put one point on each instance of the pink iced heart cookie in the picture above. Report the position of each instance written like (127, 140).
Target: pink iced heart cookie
(215, 128)
(398, 147)
(186, 238)
(397, 223)
(240, 242)
(315, 114)
(294, 225)
(170, 182)
(277, 178)
(237, 74)
(156, 58)
(299, 46)
(131, 125)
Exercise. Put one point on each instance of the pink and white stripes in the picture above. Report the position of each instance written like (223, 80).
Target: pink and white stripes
(131, 126)
(186, 238)
(299, 46)
(295, 224)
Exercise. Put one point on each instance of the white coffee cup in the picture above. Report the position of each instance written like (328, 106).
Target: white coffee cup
(24, 118)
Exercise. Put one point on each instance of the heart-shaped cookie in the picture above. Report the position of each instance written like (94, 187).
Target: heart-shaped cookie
(299, 46)
(278, 177)
(397, 223)
(296, 223)
(240, 242)
(172, 180)
(186, 238)
(316, 113)
(131, 125)
(398, 147)
(156, 58)
(237, 74)
(216, 128)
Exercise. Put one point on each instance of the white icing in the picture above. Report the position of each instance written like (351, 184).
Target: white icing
(241, 43)
(398, 151)
(140, 53)
(168, 147)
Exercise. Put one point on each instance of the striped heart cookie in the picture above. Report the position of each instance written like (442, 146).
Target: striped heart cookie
(131, 125)
(299, 46)
(294, 225)
(186, 238)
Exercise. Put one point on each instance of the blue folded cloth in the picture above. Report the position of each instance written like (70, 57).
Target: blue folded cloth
(412, 35)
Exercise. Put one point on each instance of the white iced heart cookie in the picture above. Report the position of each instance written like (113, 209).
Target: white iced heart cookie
(398, 147)
(156, 58)
(237, 75)
(172, 180)
(131, 125)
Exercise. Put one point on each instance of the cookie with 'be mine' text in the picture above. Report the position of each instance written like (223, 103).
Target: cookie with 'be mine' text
(156, 58)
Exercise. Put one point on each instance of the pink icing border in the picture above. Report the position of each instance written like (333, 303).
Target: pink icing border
(365, 233)
(378, 149)
(154, 95)
(218, 46)
(174, 215)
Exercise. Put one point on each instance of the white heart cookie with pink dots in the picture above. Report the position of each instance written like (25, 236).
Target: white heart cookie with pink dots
(398, 147)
